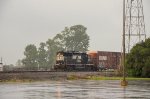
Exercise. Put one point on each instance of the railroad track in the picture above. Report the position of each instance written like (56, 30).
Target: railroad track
(53, 71)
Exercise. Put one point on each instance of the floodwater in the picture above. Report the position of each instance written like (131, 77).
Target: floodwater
(75, 89)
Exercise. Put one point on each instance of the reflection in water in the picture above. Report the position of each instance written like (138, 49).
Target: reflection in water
(78, 89)
(58, 92)
(124, 92)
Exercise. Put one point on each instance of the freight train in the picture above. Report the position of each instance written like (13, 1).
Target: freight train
(75, 60)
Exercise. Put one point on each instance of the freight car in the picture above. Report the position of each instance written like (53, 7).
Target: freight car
(75, 60)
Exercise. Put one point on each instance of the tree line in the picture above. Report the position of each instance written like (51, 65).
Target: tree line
(72, 38)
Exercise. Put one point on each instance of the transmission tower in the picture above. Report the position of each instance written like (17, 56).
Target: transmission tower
(134, 23)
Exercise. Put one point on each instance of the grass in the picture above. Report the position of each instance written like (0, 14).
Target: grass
(104, 78)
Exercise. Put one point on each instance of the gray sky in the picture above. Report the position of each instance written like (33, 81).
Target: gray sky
(24, 22)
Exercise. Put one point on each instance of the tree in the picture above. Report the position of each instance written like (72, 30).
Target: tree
(30, 60)
(53, 46)
(138, 60)
(79, 40)
(74, 38)
(42, 57)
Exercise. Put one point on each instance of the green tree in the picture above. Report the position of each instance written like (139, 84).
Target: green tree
(30, 60)
(79, 40)
(53, 46)
(74, 38)
(42, 57)
(138, 60)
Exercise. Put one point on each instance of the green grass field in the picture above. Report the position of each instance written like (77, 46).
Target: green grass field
(105, 78)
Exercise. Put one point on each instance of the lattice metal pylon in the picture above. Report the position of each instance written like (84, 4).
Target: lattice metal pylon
(134, 23)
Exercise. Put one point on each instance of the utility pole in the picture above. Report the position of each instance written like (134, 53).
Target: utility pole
(123, 82)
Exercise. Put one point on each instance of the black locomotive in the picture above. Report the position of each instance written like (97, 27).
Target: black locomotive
(74, 60)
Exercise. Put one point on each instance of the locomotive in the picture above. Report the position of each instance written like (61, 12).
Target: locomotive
(75, 61)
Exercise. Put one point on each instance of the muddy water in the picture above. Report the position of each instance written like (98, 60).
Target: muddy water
(78, 89)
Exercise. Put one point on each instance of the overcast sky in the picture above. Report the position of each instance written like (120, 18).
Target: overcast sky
(24, 22)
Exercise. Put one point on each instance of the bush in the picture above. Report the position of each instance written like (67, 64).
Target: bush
(138, 60)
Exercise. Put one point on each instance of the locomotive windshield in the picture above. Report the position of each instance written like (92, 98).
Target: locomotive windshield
(59, 57)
